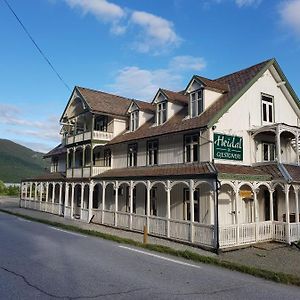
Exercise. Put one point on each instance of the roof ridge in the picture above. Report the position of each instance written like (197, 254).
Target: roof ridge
(242, 70)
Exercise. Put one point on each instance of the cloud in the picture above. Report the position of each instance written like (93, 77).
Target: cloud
(135, 82)
(11, 116)
(103, 10)
(157, 32)
(290, 15)
(242, 3)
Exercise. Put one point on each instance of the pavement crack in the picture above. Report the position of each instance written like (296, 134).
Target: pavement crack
(69, 297)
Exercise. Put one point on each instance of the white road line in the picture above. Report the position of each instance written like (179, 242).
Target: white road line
(161, 257)
(69, 232)
(24, 220)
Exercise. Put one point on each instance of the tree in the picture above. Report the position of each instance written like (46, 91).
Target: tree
(2, 188)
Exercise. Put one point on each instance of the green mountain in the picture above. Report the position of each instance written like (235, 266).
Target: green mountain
(18, 162)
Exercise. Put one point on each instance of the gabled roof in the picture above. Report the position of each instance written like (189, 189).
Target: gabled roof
(144, 106)
(176, 97)
(238, 83)
(210, 84)
(59, 149)
(104, 102)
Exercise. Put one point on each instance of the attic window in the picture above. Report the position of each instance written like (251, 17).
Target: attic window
(134, 120)
(161, 112)
(196, 103)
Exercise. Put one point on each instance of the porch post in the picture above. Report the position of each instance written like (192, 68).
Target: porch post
(73, 159)
(191, 191)
(35, 192)
(116, 202)
(148, 204)
(91, 195)
(271, 191)
(130, 203)
(67, 159)
(66, 198)
(237, 219)
(278, 147)
(30, 191)
(60, 198)
(296, 189)
(81, 199)
(47, 191)
(168, 190)
(83, 159)
(41, 192)
(287, 210)
(53, 196)
(297, 147)
(256, 214)
(103, 201)
(72, 200)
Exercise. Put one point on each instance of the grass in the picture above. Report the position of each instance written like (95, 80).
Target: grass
(192, 256)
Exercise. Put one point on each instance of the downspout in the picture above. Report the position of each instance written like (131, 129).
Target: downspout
(218, 184)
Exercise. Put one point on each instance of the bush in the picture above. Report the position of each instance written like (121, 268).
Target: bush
(12, 190)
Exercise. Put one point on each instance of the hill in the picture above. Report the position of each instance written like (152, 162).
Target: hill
(18, 162)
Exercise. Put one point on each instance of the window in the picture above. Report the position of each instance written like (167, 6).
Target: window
(132, 155)
(196, 103)
(161, 112)
(187, 209)
(268, 151)
(134, 120)
(267, 109)
(107, 158)
(191, 148)
(54, 164)
(101, 123)
(152, 152)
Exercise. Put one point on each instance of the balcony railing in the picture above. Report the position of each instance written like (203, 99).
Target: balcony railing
(85, 172)
(85, 136)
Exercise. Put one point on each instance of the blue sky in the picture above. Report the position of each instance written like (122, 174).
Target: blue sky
(130, 48)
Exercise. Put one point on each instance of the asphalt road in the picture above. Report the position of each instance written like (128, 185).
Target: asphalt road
(41, 262)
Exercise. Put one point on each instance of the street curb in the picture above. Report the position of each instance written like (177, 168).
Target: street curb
(262, 273)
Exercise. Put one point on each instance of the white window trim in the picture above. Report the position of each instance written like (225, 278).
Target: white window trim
(268, 104)
(269, 151)
(159, 113)
(134, 120)
(197, 101)
(191, 148)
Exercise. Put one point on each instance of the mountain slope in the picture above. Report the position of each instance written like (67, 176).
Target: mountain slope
(18, 162)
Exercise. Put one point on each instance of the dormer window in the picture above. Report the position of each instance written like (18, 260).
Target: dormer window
(134, 120)
(267, 109)
(161, 112)
(196, 103)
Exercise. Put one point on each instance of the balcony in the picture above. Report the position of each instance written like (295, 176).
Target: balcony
(101, 136)
(86, 172)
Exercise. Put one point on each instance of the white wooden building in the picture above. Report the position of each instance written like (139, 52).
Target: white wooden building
(215, 165)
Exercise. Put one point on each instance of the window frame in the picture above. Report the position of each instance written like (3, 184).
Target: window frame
(134, 120)
(107, 157)
(194, 109)
(153, 149)
(265, 109)
(104, 126)
(132, 156)
(161, 113)
(191, 135)
(269, 145)
(187, 203)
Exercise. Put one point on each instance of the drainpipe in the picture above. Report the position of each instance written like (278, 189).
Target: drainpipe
(218, 185)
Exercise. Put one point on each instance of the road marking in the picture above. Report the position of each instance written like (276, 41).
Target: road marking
(65, 231)
(24, 220)
(161, 257)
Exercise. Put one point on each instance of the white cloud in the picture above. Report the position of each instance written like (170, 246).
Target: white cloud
(157, 32)
(104, 11)
(290, 14)
(135, 82)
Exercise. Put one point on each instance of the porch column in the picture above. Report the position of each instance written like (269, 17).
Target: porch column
(60, 198)
(297, 147)
(130, 203)
(53, 196)
(41, 192)
(81, 199)
(278, 146)
(103, 201)
(148, 204)
(35, 191)
(237, 219)
(287, 210)
(91, 194)
(256, 213)
(296, 189)
(67, 159)
(30, 191)
(66, 198)
(116, 202)
(271, 191)
(47, 191)
(191, 191)
(72, 200)
(168, 190)
(83, 159)
(73, 160)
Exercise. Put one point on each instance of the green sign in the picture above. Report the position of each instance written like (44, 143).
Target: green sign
(228, 147)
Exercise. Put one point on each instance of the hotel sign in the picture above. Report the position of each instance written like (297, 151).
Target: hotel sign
(228, 147)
